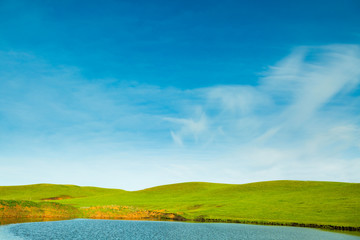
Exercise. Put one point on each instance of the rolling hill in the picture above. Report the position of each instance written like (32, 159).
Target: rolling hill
(296, 203)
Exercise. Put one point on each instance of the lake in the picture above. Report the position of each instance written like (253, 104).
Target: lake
(117, 229)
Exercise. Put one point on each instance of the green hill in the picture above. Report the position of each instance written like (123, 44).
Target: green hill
(306, 203)
(42, 191)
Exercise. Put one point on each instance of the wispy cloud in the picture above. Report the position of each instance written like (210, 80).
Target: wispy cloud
(301, 121)
(303, 114)
(308, 85)
(189, 128)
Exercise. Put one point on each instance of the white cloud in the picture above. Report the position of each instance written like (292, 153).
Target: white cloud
(302, 121)
(189, 128)
(237, 99)
(177, 139)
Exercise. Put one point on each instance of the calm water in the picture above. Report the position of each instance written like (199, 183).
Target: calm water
(115, 229)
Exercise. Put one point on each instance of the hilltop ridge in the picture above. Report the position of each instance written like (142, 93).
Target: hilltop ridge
(284, 202)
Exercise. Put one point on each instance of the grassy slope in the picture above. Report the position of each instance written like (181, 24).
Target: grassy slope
(329, 203)
(40, 191)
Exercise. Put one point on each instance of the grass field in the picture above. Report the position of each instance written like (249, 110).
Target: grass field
(275, 202)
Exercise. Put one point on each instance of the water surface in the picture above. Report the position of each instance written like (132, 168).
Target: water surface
(86, 229)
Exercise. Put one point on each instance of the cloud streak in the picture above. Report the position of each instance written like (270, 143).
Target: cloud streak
(301, 121)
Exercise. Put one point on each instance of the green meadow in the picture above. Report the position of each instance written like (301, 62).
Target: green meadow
(297, 203)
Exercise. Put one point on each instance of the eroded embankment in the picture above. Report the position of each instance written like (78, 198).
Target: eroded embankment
(129, 213)
(23, 211)
(11, 210)
(19, 211)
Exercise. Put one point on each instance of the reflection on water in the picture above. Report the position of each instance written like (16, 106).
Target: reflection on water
(116, 229)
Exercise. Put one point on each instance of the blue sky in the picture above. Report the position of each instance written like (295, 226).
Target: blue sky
(133, 94)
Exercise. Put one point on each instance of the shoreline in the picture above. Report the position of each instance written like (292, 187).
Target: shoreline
(326, 227)
(287, 224)
(311, 204)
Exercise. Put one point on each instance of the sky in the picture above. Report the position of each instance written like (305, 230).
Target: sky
(134, 94)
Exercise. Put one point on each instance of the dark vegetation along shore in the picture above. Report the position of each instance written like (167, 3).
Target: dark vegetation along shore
(327, 205)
